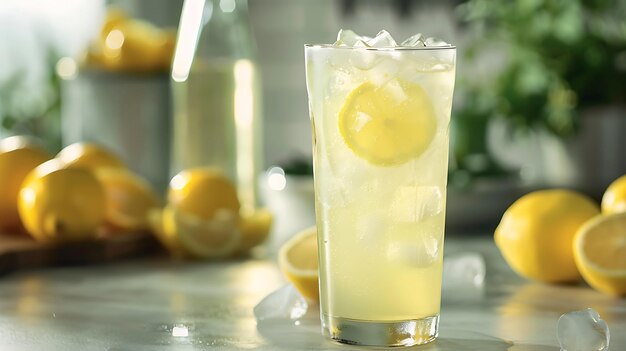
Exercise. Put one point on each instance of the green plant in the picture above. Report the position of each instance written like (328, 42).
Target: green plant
(39, 118)
(561, 56)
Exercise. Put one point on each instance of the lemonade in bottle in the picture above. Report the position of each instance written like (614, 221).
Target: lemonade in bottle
(380, 115)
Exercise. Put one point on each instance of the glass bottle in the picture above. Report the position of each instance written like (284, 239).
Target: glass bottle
(215, 88)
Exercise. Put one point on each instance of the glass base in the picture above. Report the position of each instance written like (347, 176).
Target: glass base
(376, 333)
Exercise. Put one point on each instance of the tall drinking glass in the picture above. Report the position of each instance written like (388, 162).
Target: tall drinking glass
(380, 120)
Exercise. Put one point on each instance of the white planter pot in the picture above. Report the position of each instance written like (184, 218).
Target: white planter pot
(293, 206)
(588, 161)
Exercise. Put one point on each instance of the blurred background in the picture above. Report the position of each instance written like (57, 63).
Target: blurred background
(539, 99)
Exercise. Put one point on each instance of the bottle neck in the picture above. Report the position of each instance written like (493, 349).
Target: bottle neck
(226, 31)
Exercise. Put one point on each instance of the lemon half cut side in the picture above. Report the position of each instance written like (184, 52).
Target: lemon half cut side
(600, 253)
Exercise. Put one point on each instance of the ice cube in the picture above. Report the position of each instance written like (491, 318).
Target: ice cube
(582, 331)
(435, 42)
(364, 59)
(371, 229)
(387, 70)
(362, 119)
(416, 203)
(284, 303)
(360, 43)
(347, 37)
(339, 81)
(421, 250)
(416, 40)
(382, 40)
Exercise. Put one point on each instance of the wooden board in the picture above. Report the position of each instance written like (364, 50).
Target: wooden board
(19, 252)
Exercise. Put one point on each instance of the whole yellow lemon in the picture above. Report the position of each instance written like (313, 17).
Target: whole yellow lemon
(536, 233)
(202, 192)
(57, 203)
(90, 156)
(18, 156)
(614, 198)
(136, 46)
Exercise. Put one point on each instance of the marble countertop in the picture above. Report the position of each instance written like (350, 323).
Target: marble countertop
(157, 304)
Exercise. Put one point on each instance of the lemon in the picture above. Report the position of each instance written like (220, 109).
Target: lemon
(254, 228)
(201, 192)
(114, 17)
(129, 198)
(230, 238)
(57, 203)
(297, 259)
(136, 46)
(614, 198)
(168, 239)
(201, 238)
(600, 253)
(90, 156)
(18, 156)
(536, 233)
(388, 125)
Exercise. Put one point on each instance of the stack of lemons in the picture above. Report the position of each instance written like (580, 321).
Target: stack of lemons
(127, 44)
(556, 236)
(86, 191)
(83, 191)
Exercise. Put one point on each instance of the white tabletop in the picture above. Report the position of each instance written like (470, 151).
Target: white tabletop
(135, 305)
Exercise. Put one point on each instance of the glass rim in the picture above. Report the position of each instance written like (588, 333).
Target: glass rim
(396, 48)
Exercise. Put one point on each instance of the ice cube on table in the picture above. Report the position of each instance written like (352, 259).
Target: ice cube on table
(582, 331)
(284, 303)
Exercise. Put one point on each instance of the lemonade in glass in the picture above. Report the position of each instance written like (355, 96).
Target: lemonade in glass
(380, 115)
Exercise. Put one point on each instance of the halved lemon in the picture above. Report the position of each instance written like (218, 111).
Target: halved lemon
(255, 228)
(297, 259)
(217, 237)
(168, 239)
(600, 253)
(129, 198)
(388, 124)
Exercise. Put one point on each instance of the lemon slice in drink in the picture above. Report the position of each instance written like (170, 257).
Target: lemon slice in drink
(600, 253)
(389, 124)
